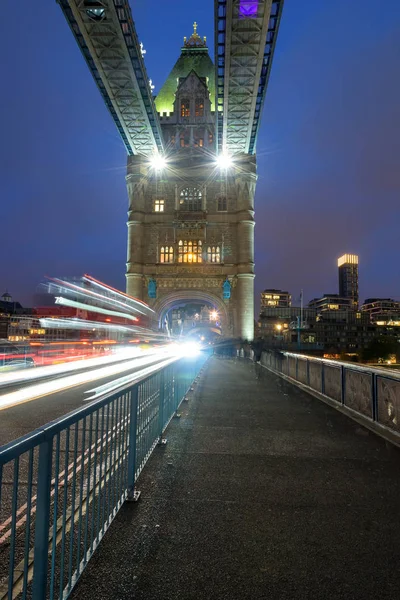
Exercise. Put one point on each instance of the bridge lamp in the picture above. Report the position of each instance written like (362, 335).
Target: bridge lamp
(224, 161)
(214, 315)
(158, 162)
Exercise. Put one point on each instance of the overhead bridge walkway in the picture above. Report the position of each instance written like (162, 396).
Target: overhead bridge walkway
(263, 491)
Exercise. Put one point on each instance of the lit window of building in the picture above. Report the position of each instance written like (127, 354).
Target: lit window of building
(166, 254)
(199, 111)
(190, 199)
(214, 254)
(210, 139)
(190, 251)
(185, 108)
(159, 205)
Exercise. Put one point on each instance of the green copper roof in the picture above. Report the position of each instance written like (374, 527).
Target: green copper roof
(194, 57)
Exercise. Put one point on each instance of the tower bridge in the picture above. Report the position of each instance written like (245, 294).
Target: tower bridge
(191, 172)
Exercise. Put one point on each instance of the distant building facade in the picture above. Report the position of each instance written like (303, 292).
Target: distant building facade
(348, 277)
(330, 302)
(382, 311)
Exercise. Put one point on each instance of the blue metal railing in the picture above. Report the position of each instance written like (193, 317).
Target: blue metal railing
(62, 485)
(372, 394)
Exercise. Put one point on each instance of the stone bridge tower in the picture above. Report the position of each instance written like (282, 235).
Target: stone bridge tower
(191, 222)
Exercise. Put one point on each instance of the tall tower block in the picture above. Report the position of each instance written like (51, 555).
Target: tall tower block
(348, 277)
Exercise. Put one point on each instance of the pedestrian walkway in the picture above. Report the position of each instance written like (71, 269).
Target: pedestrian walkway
(262, 492)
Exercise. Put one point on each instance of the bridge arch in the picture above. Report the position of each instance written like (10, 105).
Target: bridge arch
(177, 297)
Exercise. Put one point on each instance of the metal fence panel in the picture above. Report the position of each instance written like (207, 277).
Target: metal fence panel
(62, 485)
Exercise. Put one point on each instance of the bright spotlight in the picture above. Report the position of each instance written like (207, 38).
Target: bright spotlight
(224, 161)
(158, 162)
(214, 315)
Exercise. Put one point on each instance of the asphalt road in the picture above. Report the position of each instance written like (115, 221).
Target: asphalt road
(19, 420)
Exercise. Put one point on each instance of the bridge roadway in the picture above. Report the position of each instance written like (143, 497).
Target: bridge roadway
(263, 491)
(20, 419)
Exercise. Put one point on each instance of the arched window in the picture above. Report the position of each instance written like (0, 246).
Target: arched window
(214, 254)
(185, 107)
(190, 251)
(221, 203)
(199, 107)
(190, 198)
(166, 254)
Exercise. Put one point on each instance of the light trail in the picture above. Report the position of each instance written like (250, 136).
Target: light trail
(86, 363)
(38, 390)
(92, 308)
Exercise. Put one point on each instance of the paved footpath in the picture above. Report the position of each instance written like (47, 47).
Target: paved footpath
(263, 492)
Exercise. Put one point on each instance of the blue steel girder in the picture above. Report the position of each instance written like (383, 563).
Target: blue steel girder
(245, 38)
(106, 35)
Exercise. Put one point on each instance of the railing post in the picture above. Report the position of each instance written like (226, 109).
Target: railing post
(322, 378)
(161, 440)
(308, 371)
(133, 495)
(297, 368)
(42, 525)
(374, 396)
(343, 382)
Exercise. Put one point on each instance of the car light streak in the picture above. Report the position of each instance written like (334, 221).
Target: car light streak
(122, 381)
(49, 387)
(85, 363)
(96, 309)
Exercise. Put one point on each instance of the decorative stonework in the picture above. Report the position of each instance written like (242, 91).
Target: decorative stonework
(333, 382)
(358, 392)
(389, 402)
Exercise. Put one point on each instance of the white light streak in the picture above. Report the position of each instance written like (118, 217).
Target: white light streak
(35, 391)
(92, 308)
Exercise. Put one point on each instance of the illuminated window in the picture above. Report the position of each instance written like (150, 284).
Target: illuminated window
(198, 140)
(199, 111)
(184, 140)
(185, 108)
(210, 139)
(221, 203)
(159, 205)
(190, 199)
(214, 254)
(190, 251)
(167, 254)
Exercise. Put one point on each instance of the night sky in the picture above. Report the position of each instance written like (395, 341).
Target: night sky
(328, 149)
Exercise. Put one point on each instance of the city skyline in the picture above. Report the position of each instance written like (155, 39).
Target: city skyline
(327, 158)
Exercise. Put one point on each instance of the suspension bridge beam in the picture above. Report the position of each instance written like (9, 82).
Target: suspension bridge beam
(106, 35)
(245, 39)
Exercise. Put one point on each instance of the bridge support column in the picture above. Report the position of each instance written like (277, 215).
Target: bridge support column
(134, 285)
(245, 306)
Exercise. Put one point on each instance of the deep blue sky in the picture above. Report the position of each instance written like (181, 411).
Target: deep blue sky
(328, 148)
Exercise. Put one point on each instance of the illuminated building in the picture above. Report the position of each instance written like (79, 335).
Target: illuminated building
(191, 173)
(348, 277)
(382, 311)
(191, 220)
(331, 302)
(277, 298)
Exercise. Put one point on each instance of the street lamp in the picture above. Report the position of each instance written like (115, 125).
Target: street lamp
(224, 161)
(158, 162)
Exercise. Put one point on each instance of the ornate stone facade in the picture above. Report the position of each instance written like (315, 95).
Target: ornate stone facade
(191, 225)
